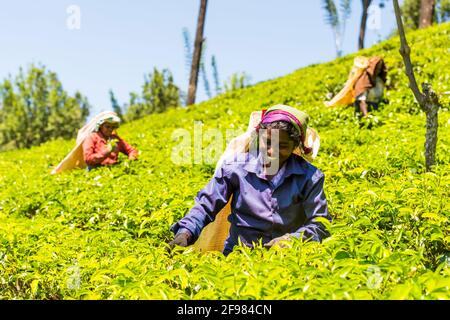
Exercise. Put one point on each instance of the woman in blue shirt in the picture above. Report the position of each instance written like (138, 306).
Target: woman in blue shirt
(276, 194)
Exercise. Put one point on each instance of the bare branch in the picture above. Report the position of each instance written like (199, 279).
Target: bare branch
(405, 52)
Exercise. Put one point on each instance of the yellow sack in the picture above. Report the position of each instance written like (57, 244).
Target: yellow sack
(347, 95)
(75, 159)
(213, 236)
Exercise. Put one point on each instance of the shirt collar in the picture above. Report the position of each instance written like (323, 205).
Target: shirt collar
(293, 165)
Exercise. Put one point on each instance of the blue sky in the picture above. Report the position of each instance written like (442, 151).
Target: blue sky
(119, 41)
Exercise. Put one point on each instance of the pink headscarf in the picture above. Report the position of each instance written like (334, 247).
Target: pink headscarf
(281, 115)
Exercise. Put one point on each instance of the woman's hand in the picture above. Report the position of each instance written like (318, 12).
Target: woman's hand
(181, 239)
(282, 241)
(112, 146)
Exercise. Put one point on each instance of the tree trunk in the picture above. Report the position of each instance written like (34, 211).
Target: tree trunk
(426, 13)
(428, 100)
(193, 79)
(362, 28)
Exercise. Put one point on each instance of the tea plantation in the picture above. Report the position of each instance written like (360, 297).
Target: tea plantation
(101, 234)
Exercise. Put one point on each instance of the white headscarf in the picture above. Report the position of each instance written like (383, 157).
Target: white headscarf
(111, 117)
(94, 124)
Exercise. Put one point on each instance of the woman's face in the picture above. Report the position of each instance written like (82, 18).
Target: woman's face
(107, 129)
(276, 146)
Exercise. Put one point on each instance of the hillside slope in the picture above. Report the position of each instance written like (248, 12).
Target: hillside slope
(100, 234)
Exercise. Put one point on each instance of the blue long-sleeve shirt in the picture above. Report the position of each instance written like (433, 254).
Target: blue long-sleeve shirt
(261, 210)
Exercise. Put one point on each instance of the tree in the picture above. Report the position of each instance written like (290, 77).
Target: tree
(428, 100)
(365, 15)
(337, 22)
(114, 104)
(35, 108)
(215, 75)
(426, 13)
(442, 11)
(202, 71)
(362, 28)
(159, 93)
(411, 12)
(197, 53)
(187, 51)
(237, 81)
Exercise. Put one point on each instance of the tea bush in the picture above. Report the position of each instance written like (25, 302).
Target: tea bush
(101, 234)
